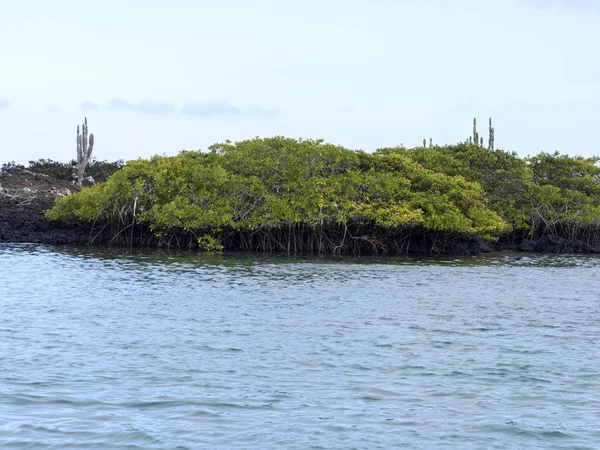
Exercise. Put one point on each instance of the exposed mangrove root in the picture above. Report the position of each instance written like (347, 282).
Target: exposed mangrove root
(332, 239)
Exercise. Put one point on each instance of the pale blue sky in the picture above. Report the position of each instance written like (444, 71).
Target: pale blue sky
(157, 77)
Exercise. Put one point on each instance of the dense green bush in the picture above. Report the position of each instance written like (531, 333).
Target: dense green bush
(506, 179)
(100, 171)
(566, 197)
(55, 169)
(286, 194)
(11, 165)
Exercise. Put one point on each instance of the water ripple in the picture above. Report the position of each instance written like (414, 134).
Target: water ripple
(104, 349)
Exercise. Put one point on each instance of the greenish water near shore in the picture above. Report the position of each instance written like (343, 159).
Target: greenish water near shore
(159, 350)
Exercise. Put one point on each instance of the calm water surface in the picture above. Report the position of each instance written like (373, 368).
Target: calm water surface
(108, 350)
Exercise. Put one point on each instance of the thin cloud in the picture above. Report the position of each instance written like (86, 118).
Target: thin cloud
(220, 108)
(53, 107)
(149, 106)
(260, 111)
(588, 5)
(4, 104)
(200, 108)
(88, 106)
(146, 106)
(210, 109)
(118, 103)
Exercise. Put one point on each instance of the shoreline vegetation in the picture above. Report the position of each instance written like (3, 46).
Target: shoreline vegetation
(306, 196)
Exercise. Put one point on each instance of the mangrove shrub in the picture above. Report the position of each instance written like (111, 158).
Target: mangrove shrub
(285, 194)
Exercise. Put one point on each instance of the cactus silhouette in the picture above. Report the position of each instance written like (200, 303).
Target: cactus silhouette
(85, 146)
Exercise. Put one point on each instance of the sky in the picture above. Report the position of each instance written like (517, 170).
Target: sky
(157, 77)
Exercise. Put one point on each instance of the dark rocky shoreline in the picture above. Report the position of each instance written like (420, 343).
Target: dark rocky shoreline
(25, 196)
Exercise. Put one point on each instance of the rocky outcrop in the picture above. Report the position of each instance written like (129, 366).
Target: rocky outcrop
(24, 197)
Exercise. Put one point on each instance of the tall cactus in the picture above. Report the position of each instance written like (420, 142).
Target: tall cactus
(85, 146)
(491, 138)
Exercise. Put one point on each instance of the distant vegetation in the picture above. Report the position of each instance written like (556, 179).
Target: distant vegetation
(100, 171)
(290, 195)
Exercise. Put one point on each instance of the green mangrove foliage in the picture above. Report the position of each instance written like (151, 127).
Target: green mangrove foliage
(283, 194)
(566, 197)
(505, 178)
(548, 194)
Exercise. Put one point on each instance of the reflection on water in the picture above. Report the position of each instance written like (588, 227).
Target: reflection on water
(162, 350)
